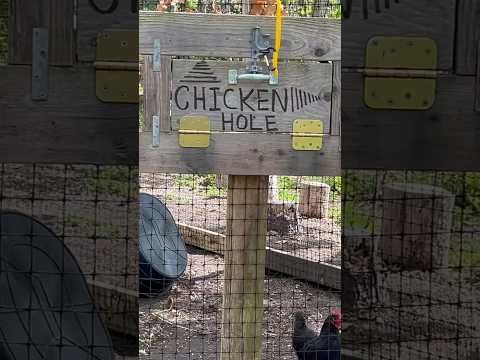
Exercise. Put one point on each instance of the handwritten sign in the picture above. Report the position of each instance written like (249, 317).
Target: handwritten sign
(201, 88)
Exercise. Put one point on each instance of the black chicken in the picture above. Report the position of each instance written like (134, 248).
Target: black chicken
(312, 346)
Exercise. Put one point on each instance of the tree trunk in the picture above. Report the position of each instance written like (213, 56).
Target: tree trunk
(314, 199)
(416, 225)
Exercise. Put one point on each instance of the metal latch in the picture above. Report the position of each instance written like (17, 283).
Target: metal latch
(116, 66)
(307, 135)
(261, 49)
(194, 132)
(400, 73)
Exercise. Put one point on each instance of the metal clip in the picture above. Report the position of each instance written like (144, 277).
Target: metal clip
(156, 55)
(40, 64)
(156, 131)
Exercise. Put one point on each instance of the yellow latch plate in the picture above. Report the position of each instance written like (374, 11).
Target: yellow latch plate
(194, 132)
(117, 86)
(392, 52)
(399, 94)
(307, 135)
(117, 46)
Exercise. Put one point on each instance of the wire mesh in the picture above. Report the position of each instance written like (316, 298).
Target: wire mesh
(411, 265)
(316, 8)
(68, 241)
(294, 268)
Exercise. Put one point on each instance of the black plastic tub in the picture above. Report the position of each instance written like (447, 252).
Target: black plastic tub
(162, 251)
(47, 309)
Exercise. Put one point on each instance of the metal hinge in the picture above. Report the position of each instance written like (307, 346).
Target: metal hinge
(116, 66)
(194, 132)
(307, 135)
(40, 64)
(400, 73)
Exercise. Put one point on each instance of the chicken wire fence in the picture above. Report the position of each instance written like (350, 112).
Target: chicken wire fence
(68, 261)
(411, 265)
(316, 8)
(187, 315)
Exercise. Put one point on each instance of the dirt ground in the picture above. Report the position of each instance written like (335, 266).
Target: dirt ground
(313, 239)
(187, 323)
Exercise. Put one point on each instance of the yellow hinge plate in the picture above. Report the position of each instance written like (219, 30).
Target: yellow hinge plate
(117, 45)
(194, 132)
(117, 86)
(117, 66)
(392, 52)
(401, 73)
(307, 135)
(399, 94)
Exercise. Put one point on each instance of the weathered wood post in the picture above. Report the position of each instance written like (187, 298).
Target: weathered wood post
(416, 224)
(244, 255)
(314, 199)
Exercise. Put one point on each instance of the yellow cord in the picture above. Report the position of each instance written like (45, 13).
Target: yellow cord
(278, 38)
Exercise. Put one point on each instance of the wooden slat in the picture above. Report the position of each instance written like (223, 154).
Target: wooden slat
(301, 268)
(157, 92)
(229, 36)
(336, 98)
(73, 126)
(56, 15)
(304, 92)
(442, 138)
(404, 18)
(240, 153)
(277, 260)
(477, 82)
(118, 307)
(90, 22)
(467, 36)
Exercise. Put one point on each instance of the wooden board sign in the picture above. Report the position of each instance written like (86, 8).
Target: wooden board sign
(200, 87)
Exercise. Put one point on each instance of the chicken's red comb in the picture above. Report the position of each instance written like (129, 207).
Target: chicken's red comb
(337, 318)
(335, 311)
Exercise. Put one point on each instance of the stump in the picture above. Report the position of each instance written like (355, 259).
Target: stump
(416, 225)
(221, 181)
(282, 215)
(244, 254)
(314, 198)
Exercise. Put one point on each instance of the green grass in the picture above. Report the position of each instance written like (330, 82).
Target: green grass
(287, 189)
(186, 181)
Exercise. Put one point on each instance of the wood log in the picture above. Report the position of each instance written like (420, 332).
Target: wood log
(314, 199)
(245, 244)
(277, 260)
(416, 224)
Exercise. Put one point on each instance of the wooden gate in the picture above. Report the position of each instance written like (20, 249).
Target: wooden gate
(248, 127)
(201, 116)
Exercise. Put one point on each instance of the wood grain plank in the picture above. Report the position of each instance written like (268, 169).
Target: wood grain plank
(276, 260)
(56, 15)
(442, 138)
(157, 92)
(239, 153)
(467, 37)
(73, 126)
(229, 35)
(477, 82)
(404, 18)
(304, 92)
(319, 273)
(118, 307)
(91, 22)
(336, 99)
